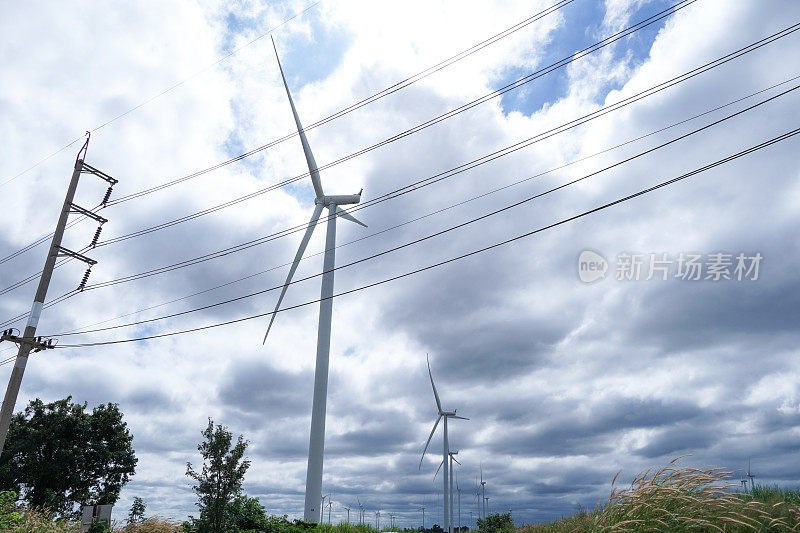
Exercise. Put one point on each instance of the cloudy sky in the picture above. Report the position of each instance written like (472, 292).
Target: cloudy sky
(565, 382)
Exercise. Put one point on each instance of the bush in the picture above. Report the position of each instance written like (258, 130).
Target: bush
(496, 523)
(9, 517)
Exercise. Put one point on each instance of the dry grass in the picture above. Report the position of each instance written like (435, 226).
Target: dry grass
(154, 524)
(36, 521)
(680, 500)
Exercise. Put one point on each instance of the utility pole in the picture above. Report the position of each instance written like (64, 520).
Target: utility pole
(29, 342)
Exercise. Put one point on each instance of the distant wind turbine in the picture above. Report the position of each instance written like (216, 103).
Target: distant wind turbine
(445, 448)
(423, 512)
(317, 439)
(348, 514)
(458, 490)
(751, 476)
(483, 493)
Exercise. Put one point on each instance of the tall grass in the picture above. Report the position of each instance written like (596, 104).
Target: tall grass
(685, 500)
(36, 521)
(154, 524)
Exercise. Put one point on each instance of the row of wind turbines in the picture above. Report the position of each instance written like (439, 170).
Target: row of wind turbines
(314, 505)
(448, 460)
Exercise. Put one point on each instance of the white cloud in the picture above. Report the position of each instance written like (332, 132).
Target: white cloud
(565, 382)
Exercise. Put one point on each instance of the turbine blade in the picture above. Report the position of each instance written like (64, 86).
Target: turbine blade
(456, 460)
(437, 470)
(347, 216)
(435, 394)
(312, 164)
(459, 417)
(298, 256)
(429, 441)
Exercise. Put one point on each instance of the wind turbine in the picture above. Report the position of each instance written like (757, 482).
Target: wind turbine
(317, 438)
(330, 504)
(348, 514)
(452, 468)
(360, 512)
(322, 508)
(378, 520)
(751, 476)
(483, 492)
(445, 447)
(458, 490)
(477, 496)
(423, 512)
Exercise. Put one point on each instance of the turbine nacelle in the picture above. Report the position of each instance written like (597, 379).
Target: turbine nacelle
(339, 199)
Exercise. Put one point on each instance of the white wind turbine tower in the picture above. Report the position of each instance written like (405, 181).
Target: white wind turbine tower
(445, 449)
(452, 469)
(483, 493)
(317, 439)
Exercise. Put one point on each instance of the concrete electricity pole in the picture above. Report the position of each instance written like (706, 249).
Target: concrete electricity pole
(29, 342)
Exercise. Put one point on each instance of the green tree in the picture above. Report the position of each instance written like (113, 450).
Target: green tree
(59, 454)
(136, 514)
(245, 513)
(496, 523)
(220, 478)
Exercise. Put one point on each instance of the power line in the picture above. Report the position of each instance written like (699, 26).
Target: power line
(471, 164)
(461, 225)
(465, 166)
(427, 215)
(162, 93)
(361, 103)
(511, 86)
(666, 183)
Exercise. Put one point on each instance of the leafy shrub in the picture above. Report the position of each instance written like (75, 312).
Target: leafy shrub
(9, 517)
(496, 523)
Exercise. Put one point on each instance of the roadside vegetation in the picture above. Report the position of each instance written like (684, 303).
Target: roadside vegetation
(670, 499)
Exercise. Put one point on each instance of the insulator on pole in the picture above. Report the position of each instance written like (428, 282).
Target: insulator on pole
(96, 236)
(85, 279)
(107, 196)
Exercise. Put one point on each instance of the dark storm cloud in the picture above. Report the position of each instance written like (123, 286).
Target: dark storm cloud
(706, 314)
(677, 440)
(577, 430)
(393, 435)
(257, 387)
